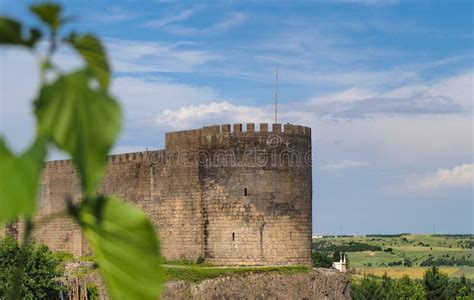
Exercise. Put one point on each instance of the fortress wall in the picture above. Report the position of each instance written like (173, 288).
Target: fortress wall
(126, 177)
(61, 233)
(256, 202)
(234, 195)
(177, 197)
(165, 190)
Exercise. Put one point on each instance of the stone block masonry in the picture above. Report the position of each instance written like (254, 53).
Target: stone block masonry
(232, 196)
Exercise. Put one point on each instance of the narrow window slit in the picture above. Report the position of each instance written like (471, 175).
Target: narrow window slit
(245, 192)
(233, 236)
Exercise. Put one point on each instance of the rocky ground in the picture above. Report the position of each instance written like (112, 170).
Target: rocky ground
(316, 284)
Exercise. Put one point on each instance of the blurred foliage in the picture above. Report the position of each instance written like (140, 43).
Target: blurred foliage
(75, 112)
(19, 180)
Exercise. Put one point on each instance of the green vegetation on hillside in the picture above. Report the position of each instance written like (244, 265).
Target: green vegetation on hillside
(400, 254)
(434, 285)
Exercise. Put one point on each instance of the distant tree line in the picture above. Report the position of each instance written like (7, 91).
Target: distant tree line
(461, 236)
(346, 247)
(434, 285)
(386, 235)
(447, 261)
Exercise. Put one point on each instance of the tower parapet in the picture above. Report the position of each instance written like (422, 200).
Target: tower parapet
(238, 128)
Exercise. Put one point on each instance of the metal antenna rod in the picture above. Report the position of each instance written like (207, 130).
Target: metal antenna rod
(276, 96)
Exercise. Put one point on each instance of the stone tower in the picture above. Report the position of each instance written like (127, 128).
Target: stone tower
(256, 195)
(232, 196)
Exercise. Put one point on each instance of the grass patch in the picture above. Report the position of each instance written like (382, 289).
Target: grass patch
(196, 273)
(398, 272)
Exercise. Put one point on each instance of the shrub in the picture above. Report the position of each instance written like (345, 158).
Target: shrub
(436, 283)
(370, 287)
(435, 286)
(407, 262)
(395, 263)
(200, 260)
(405, 288)
(321, 260)
(40, 277)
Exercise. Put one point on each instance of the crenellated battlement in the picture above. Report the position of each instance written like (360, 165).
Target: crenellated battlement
(263, 128)
(210, 135)
(133, 156)
(239, 128)
(57, 163)
(114, 158)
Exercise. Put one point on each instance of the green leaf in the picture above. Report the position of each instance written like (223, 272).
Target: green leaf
(125, 245)
(10, 33)
(19, 180)
(35, 36)
(49, 13)
(91, 49)
(82, 121)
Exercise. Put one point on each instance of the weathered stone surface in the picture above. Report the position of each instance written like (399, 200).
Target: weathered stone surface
(317, 284)
(232, 197)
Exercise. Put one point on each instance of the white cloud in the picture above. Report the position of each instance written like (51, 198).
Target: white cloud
(145, 56)
(192, 116)
(159, 23)
(395, 142)
(334, 165)
(364, 79)
(446, 96)
(112, 14)
(459, 88)
(461, 176)
(145, 99)
(231, 21)
(349, 95)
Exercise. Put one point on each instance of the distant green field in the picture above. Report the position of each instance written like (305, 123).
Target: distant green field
(412, 248)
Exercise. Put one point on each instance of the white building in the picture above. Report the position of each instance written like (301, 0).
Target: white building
(341, 265)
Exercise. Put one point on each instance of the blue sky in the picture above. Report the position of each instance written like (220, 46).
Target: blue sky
(387, 87)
